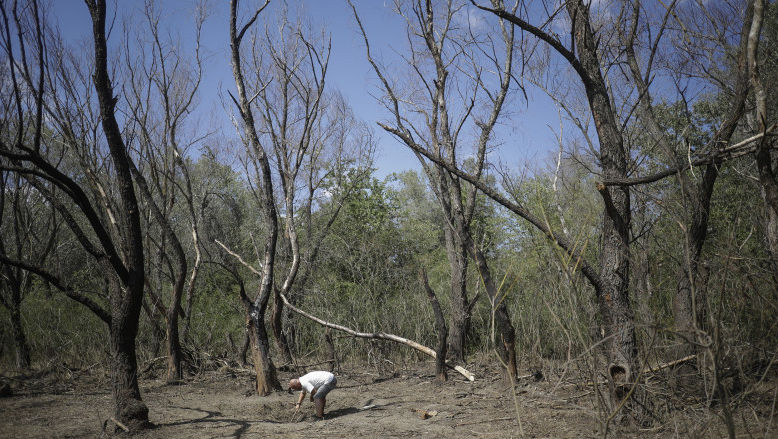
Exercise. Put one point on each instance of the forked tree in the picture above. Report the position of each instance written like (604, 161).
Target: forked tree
(464, 77)
(287, 127)
(606, 90)
(108, 227)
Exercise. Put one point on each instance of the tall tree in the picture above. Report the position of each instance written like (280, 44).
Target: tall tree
(310, 140)
(267, 380)
(459, 96)
(162, 79)
(696, 193)
(43, 84)
(764, 119)
(592, 64)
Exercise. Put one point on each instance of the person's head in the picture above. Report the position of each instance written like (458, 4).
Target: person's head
(294, 384)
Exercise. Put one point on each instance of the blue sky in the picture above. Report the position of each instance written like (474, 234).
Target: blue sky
(526, 140)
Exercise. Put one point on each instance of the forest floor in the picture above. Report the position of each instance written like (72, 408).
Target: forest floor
(220, 403)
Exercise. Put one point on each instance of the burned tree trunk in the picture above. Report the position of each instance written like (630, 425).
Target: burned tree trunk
(260, 347)
(174, 371)
(267, 380)
(126, 299)
(332, 357)
(440, 327)
(460, 318)
(763, 154)
(129, 407)
(22, 358)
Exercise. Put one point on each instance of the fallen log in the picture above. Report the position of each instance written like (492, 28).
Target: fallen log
(377, 336)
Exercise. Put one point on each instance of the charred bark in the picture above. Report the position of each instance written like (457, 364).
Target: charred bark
(260, 347)
(613, 297)
(267, 380)
(13, 303)
(441, 373)
(460, 317)
(331, 354)
(22, 356)
(129, 407)
(127, 297)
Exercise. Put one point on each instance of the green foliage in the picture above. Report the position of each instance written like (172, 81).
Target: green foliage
(60, 332)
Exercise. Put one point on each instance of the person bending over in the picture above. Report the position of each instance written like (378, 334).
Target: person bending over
(318, 384)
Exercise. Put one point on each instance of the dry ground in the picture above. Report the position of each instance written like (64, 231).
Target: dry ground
(76, 404)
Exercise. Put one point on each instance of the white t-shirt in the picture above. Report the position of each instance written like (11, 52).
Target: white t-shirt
(315, 380)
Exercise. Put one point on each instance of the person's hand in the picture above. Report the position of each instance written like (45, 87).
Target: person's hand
(297, 406)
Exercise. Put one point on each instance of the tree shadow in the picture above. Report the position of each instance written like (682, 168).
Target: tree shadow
(337, 413)
(345, 411)
(214, 417)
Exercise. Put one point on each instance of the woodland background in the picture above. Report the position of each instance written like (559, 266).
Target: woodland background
(135, 234)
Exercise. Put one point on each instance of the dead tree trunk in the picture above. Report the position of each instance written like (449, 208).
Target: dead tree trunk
(13, 303)
(331, 354)
(441, 372)
(460, 318)
(267, 380)
(126, 299)
(265, 370)
(763, 155)
(696, 196)
(22, 358)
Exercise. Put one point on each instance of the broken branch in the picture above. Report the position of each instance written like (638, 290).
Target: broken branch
(376, 336)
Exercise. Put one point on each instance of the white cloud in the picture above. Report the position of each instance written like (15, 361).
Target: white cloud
(471, 18)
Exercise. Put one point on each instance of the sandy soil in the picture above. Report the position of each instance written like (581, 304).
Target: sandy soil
(220, 403)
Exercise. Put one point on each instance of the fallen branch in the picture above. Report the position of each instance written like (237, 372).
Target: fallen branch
(661, 366)
(377, 336)
(117, 422)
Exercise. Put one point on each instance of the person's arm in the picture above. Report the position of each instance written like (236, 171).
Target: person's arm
(300, 399)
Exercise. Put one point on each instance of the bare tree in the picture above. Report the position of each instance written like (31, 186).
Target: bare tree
(164, 80)
(267, 381)
(696, 193)
(457, 94)
(765, 123)
(23, 143)
(308, 140)
(598, 68)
